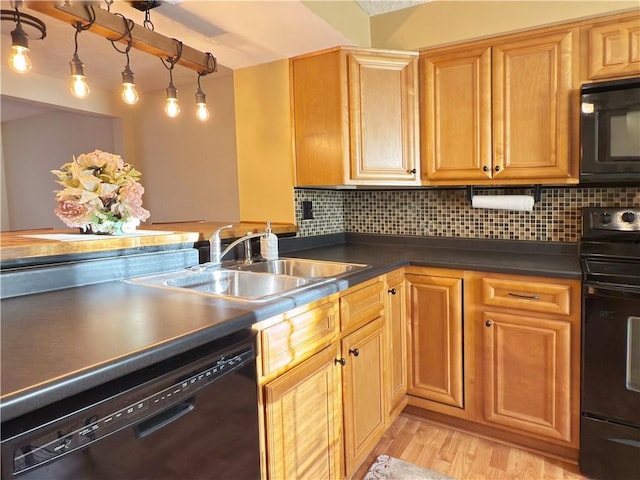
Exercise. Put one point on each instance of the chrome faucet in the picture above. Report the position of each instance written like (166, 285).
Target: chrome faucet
(217, 254)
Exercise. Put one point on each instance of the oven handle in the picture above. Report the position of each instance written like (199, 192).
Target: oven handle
(617, 291)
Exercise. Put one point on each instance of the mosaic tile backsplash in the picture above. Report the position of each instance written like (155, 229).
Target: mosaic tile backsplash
(448, 212)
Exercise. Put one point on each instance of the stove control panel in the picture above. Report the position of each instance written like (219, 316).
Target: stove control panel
(612, 219)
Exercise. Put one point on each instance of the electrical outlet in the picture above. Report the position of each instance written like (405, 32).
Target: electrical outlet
(307, 210)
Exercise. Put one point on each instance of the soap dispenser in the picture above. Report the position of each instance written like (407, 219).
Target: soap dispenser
(269, 244)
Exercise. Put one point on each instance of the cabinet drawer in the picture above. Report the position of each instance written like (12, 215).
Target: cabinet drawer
(362, 305)
(298, 337)
(529, 295)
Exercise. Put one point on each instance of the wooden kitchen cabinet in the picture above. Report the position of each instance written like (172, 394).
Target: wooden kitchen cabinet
(501, 111)
(528, 350)
(435, 307)
(611, 47)
(363, 392)
(364, 380)
(303, 414)
(397, 333)
(355, 117)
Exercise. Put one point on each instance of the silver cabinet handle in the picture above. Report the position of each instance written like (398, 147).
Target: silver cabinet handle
(530, 297)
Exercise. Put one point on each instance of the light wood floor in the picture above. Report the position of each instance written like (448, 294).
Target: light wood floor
(463, 456)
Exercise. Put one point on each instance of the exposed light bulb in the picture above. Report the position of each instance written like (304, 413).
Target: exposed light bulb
(202, 111)
(79, 87)
(129, 92)
(171, 108)
(19, 61)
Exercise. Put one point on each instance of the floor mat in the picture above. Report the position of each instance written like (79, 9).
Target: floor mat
(390, 468)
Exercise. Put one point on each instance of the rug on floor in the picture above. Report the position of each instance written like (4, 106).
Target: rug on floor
(390, 468)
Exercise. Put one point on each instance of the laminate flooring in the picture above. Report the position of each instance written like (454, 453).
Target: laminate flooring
(464, 456)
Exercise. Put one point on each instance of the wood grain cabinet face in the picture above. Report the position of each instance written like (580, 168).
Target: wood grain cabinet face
(613, 49)
(501, 111)
(436, 351)
(303, 412)
(397, 328)
(527, 374)
(363, 390)
(528, 349)
(356, 118)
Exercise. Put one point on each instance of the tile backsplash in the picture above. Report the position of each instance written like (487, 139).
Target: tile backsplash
(448, 212)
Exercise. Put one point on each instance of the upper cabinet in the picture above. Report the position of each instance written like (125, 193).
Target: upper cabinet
(611, 48)
(501, 111)
(355, 117)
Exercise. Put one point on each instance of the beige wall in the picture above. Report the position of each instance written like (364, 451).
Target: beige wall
(446, 21)
(188, 166)
(265, 154)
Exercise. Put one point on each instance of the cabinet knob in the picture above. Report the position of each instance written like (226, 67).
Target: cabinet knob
(488, 323)
(485, 169)
(393, 291)
(342, 361)
(413, 170)
(497, 169)
(355, 352)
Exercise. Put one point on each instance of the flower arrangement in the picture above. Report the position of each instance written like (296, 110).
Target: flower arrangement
(101, 194)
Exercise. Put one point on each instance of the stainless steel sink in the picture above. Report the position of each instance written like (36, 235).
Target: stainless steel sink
(302, 268)
(229, 284)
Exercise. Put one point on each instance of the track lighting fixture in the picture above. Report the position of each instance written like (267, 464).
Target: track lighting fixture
(171, 107)
(19, 60)
(79, 86)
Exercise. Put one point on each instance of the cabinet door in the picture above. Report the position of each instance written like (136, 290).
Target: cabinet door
(533, 81)
(456, 114)
(363, 387)
(383, 118)
(396, 322)
(436, 339)
(527, 374)
(613, 49)
(303, 413)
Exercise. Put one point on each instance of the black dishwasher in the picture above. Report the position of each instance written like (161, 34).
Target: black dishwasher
(193, 416)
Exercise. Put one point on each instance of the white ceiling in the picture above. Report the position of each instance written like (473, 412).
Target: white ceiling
(239, 33)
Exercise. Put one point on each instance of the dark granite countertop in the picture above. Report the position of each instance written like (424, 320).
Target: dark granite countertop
(56, 344)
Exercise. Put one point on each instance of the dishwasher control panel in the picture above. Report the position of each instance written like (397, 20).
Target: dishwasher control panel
(65, 437)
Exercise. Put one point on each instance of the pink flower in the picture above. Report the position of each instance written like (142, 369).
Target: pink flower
(72, 213)
(130, 202)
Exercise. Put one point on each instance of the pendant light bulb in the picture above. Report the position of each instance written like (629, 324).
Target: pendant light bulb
(129, 93)
(79, 87)
(171, 108)
(202, 111)
(19, 60)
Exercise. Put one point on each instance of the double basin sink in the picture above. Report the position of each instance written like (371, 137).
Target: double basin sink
(252, 282)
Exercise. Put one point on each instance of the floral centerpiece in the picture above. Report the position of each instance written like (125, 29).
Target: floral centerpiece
(101, 194)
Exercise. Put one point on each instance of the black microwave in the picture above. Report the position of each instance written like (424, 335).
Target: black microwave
(610, 132)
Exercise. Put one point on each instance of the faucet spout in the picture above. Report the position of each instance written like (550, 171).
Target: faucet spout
(217, 254)
(215, 245)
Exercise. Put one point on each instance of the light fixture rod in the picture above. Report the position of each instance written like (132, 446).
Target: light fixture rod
(110, 26)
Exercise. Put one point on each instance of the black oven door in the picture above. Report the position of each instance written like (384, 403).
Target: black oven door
(610, 122)
(611, 354)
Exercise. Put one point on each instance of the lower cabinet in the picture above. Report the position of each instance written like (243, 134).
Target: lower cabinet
(498, 354)
(528, 350)
(397, 344)
(363, 392)
(435, 309)
(527, 374)
(303, 413)
(324, 389)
